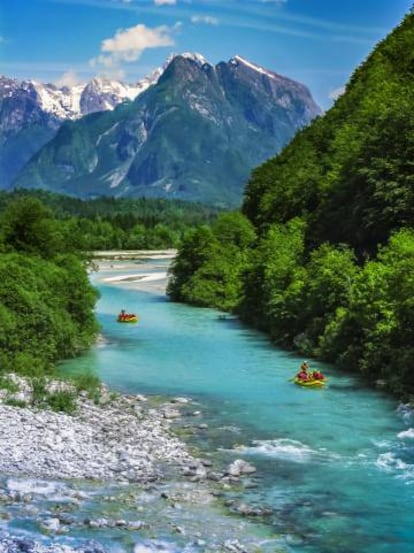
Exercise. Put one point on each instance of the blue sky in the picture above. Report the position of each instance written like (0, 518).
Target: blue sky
(317, 42)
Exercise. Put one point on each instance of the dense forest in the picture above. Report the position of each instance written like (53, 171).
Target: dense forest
(107, 223)
(322, 255)
(46, 300)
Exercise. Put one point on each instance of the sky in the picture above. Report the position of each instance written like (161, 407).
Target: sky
(316, 42)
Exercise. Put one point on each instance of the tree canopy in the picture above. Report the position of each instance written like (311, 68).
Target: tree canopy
(328, 267)
(46, 300)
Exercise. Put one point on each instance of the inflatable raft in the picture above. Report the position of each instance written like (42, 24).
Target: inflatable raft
(127, 318)
(314, 383)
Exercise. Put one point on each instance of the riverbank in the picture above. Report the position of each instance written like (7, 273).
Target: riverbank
(136, 268)
(134, 254)
(121, 438)
(122, 455)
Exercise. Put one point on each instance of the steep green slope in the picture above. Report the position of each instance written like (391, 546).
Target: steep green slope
(330, 272)
(351, 173)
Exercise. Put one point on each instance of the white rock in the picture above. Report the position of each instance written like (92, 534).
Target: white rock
(51, 524)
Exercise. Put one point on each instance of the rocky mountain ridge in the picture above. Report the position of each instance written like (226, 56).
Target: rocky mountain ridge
(194, 131)
(31, 112)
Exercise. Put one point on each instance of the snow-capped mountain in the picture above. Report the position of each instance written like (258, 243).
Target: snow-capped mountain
(31, 112)
(195, 134)
(73, 102)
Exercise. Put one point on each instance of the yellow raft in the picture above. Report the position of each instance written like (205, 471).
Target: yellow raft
(310, 383)
(128, 318)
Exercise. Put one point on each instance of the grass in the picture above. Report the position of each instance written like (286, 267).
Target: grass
(62, 401)
(89, 383)
(6, 383)
(15, 402)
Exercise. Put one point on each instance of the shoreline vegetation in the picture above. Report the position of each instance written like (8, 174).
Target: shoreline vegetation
(46, 299)
(70, 431)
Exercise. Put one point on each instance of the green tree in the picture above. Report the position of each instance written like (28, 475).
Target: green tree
(209, 265)
(273, 277)
(28, 226)
(374, 333)
(330, 274)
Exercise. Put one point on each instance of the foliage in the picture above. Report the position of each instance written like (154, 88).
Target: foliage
(101, 224)
(330, 271)
(89, 383)
(6, 383)
(350, 174)
(374, 333)
(39, 391)
(207, 270)
(62, 401)
(271, 286)
(15, 402)
(46, 300)
(29, 227)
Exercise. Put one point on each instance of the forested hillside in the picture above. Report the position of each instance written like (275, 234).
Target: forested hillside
(322, 256)
(46, 300)
(350, 174)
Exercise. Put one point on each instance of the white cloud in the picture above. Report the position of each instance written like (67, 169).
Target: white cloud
(133, 41)
(165, 2)
(207, 19)
(334, 94)
(69, 78)
(273, 1)
(127, 45)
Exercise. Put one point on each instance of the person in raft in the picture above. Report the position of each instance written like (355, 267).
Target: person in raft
(303, 372)
(317, 375)
(122, 315)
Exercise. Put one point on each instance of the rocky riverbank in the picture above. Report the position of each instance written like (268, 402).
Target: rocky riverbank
(120, 438)
(124, 441)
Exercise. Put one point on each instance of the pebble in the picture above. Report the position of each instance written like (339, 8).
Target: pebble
(120, 439)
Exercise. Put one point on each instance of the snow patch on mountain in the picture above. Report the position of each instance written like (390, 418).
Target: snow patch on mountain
(195, 56)
(238, 60)
(62, 102)
(74, 102)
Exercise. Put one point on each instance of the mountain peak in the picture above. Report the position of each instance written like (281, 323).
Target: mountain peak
(197, 127)
(199, 59)
(239, 60)
(195, 56)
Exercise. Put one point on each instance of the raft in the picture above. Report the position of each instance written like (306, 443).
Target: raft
(131, 318)
(310, 383)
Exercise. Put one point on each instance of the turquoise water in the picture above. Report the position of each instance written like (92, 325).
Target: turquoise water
(336, 465)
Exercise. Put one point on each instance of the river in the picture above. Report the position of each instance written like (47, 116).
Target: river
(335, 465)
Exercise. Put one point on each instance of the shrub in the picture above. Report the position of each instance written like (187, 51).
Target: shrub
(62, 401)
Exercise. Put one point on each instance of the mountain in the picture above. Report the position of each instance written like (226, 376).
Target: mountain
(194, 134)
(32, 112)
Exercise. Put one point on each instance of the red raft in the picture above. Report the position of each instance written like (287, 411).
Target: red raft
(127, 318)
